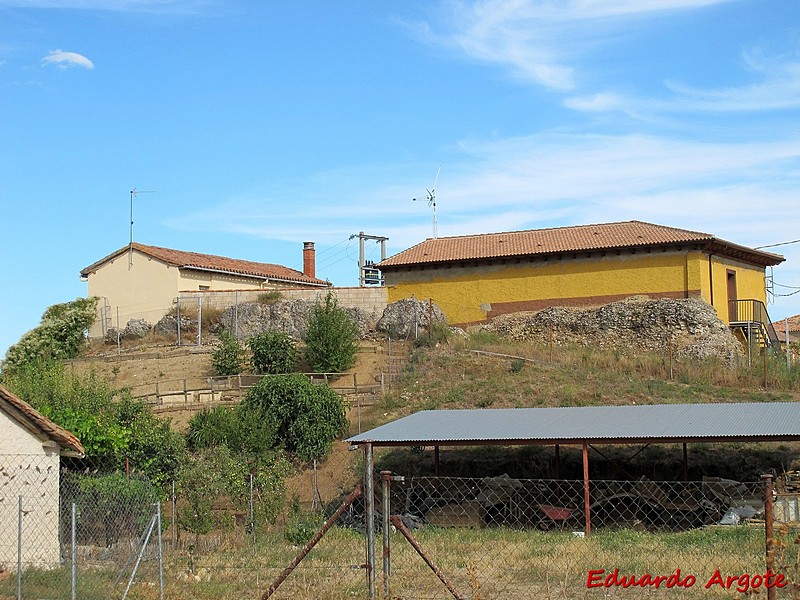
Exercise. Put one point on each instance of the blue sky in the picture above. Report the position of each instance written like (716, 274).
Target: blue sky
(261, 125)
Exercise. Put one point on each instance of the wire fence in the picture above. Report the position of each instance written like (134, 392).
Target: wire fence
(69, 535)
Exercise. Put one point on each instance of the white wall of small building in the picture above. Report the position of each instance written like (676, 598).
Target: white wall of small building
(29, 469)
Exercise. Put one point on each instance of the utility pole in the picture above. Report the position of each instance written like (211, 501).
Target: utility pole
(367, 273)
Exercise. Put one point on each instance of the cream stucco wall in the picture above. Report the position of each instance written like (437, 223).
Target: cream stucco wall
(28, 468)
(476, 293)
(137, 286)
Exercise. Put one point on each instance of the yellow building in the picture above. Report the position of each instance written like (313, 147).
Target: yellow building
(477, 277)
(143, 282)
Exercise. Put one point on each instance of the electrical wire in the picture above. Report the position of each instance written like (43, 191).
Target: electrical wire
(776, 245)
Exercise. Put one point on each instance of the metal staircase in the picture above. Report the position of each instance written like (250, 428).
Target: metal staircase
(751, 324)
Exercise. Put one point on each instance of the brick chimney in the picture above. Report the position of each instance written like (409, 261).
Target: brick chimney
(309, 260)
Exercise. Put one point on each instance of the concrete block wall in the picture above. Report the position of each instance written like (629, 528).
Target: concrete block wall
(373, 300)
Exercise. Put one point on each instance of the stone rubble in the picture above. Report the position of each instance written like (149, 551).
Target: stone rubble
(690, 327)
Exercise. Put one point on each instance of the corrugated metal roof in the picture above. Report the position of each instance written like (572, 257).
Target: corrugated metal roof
(596, 424)
(580, 238)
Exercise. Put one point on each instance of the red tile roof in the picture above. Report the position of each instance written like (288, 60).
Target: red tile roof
(36, 421)
(211, 262)
(794, 324)
(582, 238)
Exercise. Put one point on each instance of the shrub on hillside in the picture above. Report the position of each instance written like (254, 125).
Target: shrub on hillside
(273, 353)
(307, 416)
(229, 357)
(111, 426)
(60, 334)
(331, 338)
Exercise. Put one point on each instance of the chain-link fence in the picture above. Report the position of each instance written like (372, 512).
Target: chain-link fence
(68, 535)
(82, 535)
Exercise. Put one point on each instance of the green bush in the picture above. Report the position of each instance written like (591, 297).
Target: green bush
(439, 333)
(110, 505)
(60, 334)
(111, 426)
(218, 473)
(229, 357)
(307, 416)
(210, 428)
(273, 353)
(331, 338)
(301, 526)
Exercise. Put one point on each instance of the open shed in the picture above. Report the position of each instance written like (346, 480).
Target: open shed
(585, 426)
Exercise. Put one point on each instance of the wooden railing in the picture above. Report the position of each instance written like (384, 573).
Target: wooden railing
(231, 388)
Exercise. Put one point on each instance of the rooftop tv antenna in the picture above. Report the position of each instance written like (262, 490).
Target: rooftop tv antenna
(134, 193)
(431, 198)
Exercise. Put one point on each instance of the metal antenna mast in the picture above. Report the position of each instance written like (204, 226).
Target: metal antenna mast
(134, 193)
(431, 198)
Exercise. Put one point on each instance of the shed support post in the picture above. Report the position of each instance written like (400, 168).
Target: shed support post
(436, 460)
(685, 462)
(586, 502)
(558, 461)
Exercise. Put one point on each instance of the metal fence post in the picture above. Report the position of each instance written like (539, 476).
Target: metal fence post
(19, 548)
(160, 553)
(252, 515)
(74, 554)
(386, 477)
(769, 531)
(369, 517)
(174, 532)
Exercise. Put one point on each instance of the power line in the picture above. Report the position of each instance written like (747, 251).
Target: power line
(776, 245)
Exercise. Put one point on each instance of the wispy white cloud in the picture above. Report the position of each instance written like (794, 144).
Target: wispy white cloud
(537, 40)
(778, 88)
(65, 60)
(540, 180)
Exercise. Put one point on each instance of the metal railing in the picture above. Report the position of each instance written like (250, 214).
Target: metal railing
(752, 319)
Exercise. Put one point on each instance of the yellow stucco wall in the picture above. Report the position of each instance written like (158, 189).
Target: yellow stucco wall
(750, 283)
(473, 294)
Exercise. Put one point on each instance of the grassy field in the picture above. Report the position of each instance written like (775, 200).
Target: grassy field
(481, 564)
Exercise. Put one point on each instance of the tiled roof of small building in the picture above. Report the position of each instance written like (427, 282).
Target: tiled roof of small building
(211, 262)
(22, 410)
(582, 238)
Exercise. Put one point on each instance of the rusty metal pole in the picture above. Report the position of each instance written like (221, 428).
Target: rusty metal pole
(369, 517)
(397, 522)
(769, 531)
(386, 478)
(354, 495)
(586, 501)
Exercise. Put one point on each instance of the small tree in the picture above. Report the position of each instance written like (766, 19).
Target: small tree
(307, 416)
(229, 357)
(273, 353)
(331, 338)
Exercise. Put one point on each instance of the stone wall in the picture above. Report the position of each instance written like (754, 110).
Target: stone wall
(371, 300)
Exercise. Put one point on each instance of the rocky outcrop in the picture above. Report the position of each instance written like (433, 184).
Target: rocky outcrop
(404, 318)
(690, 327)
(289, 316)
